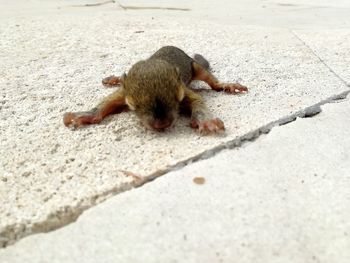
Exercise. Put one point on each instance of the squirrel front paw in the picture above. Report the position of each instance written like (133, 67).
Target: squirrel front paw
(208, 126)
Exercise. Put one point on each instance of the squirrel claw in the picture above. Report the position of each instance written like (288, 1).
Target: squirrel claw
(77, 119)
(234, 88)
(69, 119)
(208, 126)
(111, 81)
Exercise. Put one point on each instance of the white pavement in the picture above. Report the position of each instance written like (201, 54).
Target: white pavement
(280, 198)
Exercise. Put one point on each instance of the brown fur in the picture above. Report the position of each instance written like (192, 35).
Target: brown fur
(157, 90)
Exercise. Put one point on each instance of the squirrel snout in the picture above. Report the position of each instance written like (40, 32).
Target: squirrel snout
(161, 124)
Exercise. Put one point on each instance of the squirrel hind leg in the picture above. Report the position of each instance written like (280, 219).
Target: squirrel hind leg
(201, 61)
(200, 73)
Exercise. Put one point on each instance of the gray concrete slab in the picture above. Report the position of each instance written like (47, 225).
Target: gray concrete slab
(51, 174)
(283, 13)
(283, 198)
(333, 48)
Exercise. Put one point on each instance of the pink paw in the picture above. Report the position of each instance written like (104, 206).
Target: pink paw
(111, 81)
(79, 118)
(208, 126)
(234, 88)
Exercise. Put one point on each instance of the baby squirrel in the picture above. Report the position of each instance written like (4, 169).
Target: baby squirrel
(157, 89)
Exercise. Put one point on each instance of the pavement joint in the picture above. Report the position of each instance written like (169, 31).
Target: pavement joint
(68, 214)
(74, 212)
(320, 59)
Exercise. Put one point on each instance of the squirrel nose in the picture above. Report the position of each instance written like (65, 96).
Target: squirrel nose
(161, 124)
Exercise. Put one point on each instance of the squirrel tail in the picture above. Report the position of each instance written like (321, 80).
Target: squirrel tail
(201, 61)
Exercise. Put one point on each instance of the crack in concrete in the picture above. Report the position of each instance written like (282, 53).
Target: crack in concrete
(60, 218)
(253, 135)
(70, 214)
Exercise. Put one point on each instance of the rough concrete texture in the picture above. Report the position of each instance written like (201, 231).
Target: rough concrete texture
(283, 13)
(332, 46)
(275, 200)
(51, 174)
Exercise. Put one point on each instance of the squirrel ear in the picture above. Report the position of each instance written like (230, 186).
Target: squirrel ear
(177, 70)
(129, 101)
(123, 77)
(180, 93)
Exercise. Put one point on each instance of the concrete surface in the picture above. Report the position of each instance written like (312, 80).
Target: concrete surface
(51, 173)
(277, 13)
(294, 14)
(332, 46)
(282, 198)
(54, 54)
